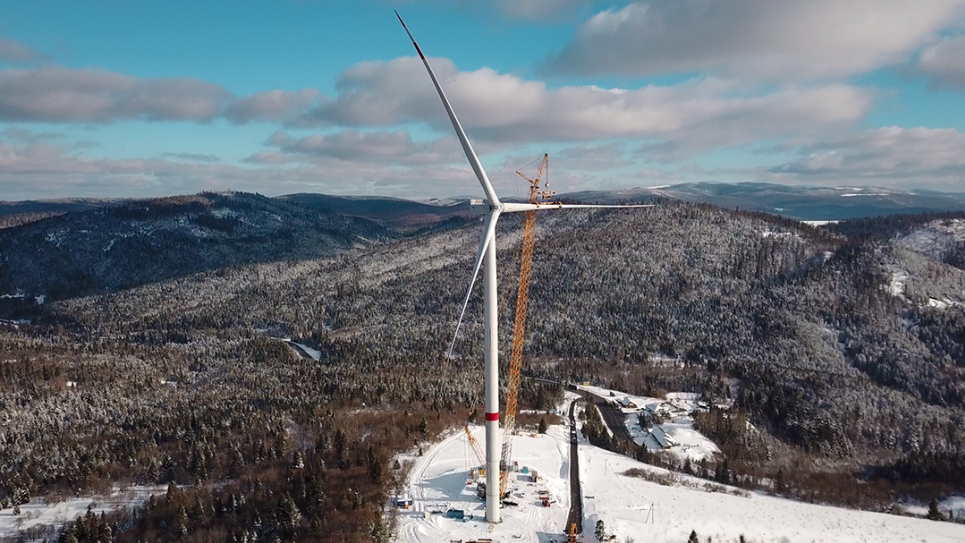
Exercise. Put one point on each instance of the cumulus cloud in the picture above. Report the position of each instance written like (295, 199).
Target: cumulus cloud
(944, 63)
(98, 96)
(14, 51)
(274, 105)
(752, 38)
(43, 170)
(68, 95)
(698, 115)
(378, 146)
(910, 157)
(592, 157)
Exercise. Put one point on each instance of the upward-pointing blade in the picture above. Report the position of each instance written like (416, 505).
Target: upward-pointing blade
(466, 146)
(488, 234)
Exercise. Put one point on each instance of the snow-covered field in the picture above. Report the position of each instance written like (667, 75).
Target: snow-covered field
(650, 512)
(39, 513)
(438, 480)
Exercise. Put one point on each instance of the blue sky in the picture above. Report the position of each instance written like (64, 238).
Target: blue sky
(153, 98)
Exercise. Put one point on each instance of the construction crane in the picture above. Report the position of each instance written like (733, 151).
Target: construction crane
(536, 196)
(477, 453)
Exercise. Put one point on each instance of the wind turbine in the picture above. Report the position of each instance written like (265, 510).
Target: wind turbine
(487, 253)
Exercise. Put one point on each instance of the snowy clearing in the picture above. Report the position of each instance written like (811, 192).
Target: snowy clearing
(645, 511)
(39, 513)
(438, 483)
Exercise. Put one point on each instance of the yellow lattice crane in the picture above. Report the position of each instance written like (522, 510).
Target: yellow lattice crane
(536, 196)
(477, 454)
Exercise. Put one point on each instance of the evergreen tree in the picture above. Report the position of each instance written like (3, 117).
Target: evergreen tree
(600, 530)
(542, 425)
(288, 515)
(182, 522)
(933, 512)
(693, 537)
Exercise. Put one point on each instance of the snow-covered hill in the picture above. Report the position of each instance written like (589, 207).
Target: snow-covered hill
(647, 511)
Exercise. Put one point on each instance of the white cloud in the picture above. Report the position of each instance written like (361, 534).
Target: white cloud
(379, 146)
(753, 38)
(89, 95)
(908, 157)
(14, 51)
(69, 95)
(944, 63)
(274, 105)
(698, 115)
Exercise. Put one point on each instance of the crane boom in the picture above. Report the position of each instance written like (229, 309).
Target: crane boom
(522, 301)
(477, 453)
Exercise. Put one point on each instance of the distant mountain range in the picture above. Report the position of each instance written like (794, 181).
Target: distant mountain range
(71, 247)
(794, 202)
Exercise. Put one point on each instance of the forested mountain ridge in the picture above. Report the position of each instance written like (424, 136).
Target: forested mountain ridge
(774, 302)
(145, 241)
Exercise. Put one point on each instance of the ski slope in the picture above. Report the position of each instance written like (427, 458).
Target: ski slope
(438, 480)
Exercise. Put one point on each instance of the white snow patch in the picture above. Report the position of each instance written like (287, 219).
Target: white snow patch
(896, 286)
(38, 512)
(935, 238)
(634, 507)
(315, 354)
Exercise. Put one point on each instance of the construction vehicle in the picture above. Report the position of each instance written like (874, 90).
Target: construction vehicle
(572, 538)
(481, 492)
(536, 196)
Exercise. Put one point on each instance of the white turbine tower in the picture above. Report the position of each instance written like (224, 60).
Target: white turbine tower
(487, 253)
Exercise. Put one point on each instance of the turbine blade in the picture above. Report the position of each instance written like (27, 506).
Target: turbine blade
(460, 133)
(489, 233)
(593, 206)
(510, 207)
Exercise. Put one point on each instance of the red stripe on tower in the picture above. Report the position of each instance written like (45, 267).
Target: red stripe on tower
(492, 416)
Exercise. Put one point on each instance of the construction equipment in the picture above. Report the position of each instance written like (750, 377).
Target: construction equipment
(479, 467)
(572, 538)
(536, 196)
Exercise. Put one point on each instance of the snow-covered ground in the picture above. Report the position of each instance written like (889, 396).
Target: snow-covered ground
(38, 512)
(645, 511)
(678, 432)
(935, 238)
(438, 482)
